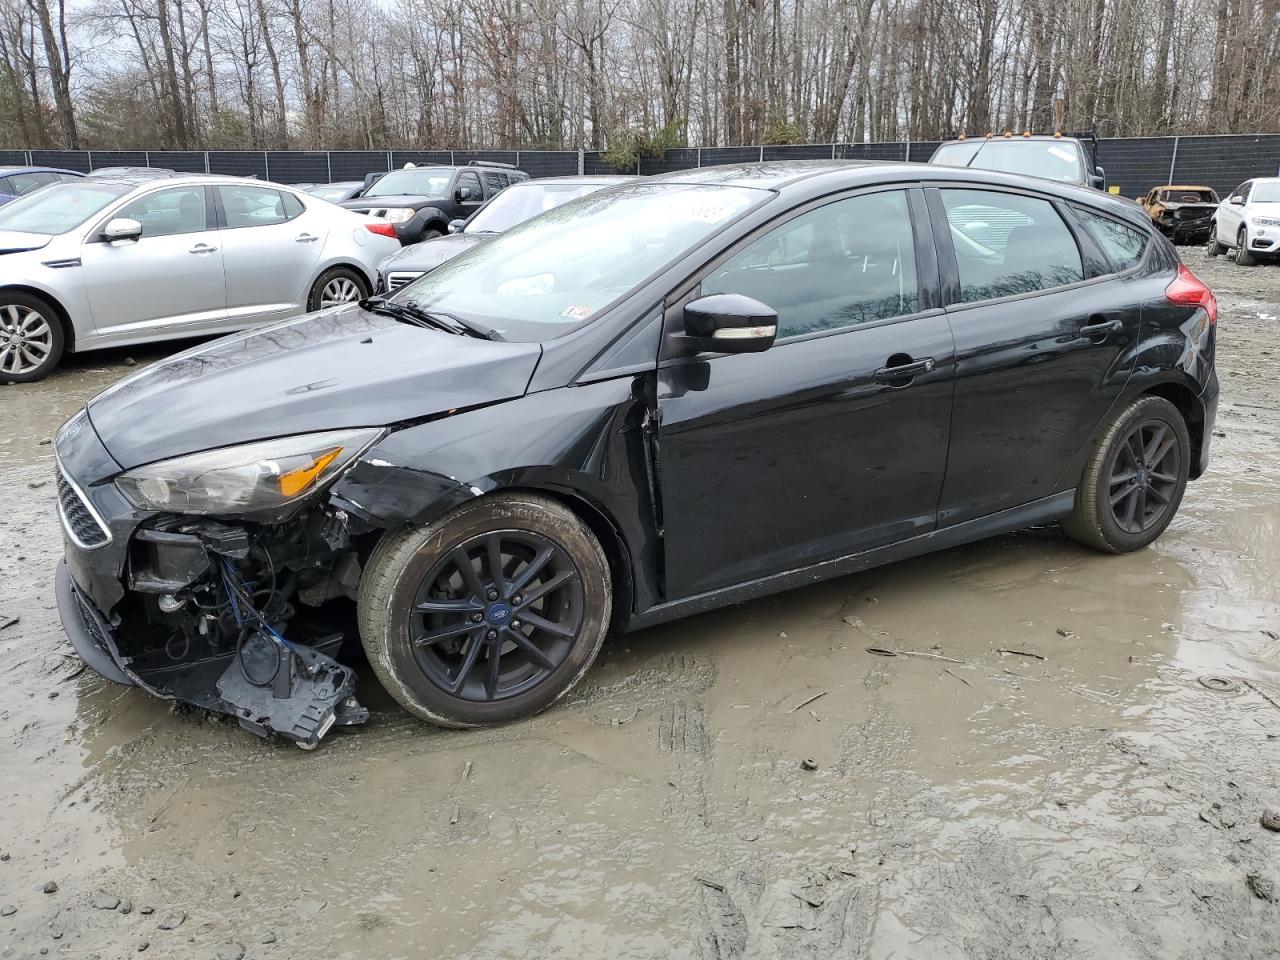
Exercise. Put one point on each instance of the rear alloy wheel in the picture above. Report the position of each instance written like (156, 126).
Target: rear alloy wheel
(490, 614)
(336, 287)
(31, 338)
(1243, 257)
(1213, 248)
(1134, 481)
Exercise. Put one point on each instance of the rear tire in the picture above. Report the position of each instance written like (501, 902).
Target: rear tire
(31, 338)
(459, 646)
(1213, 248)
(337, 286)
(1243, 257)
(1134, 480)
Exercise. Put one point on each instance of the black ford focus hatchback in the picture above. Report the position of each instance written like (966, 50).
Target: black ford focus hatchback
(667, 396)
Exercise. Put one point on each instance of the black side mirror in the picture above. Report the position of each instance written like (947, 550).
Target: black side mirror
(455, 226)
(464, 193)
(730, 323)
(1099, 178)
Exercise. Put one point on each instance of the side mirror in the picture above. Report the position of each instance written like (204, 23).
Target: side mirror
(464, 193)
(1236, 201)
(122, 228)
(1099, 178)
(730, 323)
(455, 226)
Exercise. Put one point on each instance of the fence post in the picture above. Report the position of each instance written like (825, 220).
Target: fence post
(699, 156)
(29, 163)
(452, 162)
(266, 165)
(88, 153)
(328, 164)
(206, 161)
(1173, 161)
(906, 154)
(388, 161)
(582, 161)
(146, 155)
(762, 153)
(833, 151)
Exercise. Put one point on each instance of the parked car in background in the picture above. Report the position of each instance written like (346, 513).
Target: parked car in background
(1059, 158)
(17, 181)
(1248, 222)
(102, 262)
(335, 192)
(1183, 214)
(421, 201)
(670, 395)
(135, 172)
(512, 206)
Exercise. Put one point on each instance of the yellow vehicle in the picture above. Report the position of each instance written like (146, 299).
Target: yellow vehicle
(1183, 214)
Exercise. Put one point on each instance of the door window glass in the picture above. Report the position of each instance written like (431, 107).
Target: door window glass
(849, 262)
(249, 206)
(167, 212)
(472, 181)
(1008, 244)
(1124, 245)
(496, 182)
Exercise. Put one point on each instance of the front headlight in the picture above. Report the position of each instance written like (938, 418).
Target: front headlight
(1265, 221)
(246, 478)
(399, 214)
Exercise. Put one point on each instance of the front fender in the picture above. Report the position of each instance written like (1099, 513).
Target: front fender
(585, 445)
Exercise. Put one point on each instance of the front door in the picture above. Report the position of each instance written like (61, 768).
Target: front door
(272, 244)
(170, 277)
(1041, 347)
(818, 447)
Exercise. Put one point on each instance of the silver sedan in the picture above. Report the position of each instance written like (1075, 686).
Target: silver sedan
(105, 262)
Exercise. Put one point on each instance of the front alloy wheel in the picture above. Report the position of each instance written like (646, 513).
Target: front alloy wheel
(488, 615)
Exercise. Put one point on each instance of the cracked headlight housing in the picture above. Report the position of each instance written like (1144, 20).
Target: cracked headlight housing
(248, 478)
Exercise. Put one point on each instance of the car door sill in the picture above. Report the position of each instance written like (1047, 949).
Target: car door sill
(1037, 511)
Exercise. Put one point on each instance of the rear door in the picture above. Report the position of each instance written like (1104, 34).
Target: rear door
(272, 243)
(1043, 328)
(169, 278)
(832, 441)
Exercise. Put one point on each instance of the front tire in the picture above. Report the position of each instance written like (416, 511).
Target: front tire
(1243, 257)
(1134, 480)
(1213, 248)
(335, 287)
(488, 615)
(31, 338)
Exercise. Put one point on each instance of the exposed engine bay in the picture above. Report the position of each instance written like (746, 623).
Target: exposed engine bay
(240, 619)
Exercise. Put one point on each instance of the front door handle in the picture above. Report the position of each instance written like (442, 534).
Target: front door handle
(905, 371)
(202, 248)
(1100, 329)
(305, 238)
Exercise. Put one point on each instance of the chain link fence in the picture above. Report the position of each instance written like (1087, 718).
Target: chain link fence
(1134, 165)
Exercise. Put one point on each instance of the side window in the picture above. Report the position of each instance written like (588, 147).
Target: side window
(293, 207)
(1007, 244)
(472, 181)
(248, 206)
(496, 182)
(167, 212)
(849, 262)
(1124, 245)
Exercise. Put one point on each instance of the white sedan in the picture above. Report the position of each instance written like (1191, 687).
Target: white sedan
(106, 262)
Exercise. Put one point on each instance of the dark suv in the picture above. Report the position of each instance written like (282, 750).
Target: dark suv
(666, 396)
(1064, 159)
(420, 201)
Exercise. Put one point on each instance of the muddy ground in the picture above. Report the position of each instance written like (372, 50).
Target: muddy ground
(1098, 802)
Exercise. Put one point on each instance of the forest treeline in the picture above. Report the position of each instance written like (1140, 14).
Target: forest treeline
(629, 75)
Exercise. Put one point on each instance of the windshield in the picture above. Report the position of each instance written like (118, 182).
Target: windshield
(956, 154)
(331, 192)
(1264, 192)
(557, 271)
(1188, 196)
(59, 207)
(1051, 160)
(518, 203)
(421, 181)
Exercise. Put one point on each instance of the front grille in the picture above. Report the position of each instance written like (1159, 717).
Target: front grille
(77, 516)
(397, 280)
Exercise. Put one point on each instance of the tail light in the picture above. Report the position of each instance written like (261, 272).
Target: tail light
(1188, 290)
(381, 228)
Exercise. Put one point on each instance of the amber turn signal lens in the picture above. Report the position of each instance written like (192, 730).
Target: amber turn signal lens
(296, 481)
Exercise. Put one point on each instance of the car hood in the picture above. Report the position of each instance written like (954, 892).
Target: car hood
(14, 241)
(429, 254)
(1269, 209)
(383, 203)
(343, 367)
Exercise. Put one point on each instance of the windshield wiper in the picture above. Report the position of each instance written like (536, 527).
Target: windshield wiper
(425, 318)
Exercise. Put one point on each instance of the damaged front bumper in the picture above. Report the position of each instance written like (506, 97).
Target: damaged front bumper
(204, 612)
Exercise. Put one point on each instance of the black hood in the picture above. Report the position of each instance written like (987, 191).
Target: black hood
(343, 367)
(429, 254)
(413, 200)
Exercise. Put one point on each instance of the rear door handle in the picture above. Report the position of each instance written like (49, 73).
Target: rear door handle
(305, 238)
(202, 248)
(905, 371)
(1100, 329)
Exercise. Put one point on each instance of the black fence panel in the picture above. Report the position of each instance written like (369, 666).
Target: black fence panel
(549, 163)
(714, 156)
(64, 159)
(239, 163)
(13, 158)
(294, 166)
(1225, 162)
(922, 150)
(593, 165)
(117, 158)
(493, 156)
(420, 158)
(1137, 164)
(800, 151)
(181, 161)
(683, 158)
(357, 164)
(871, 151)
